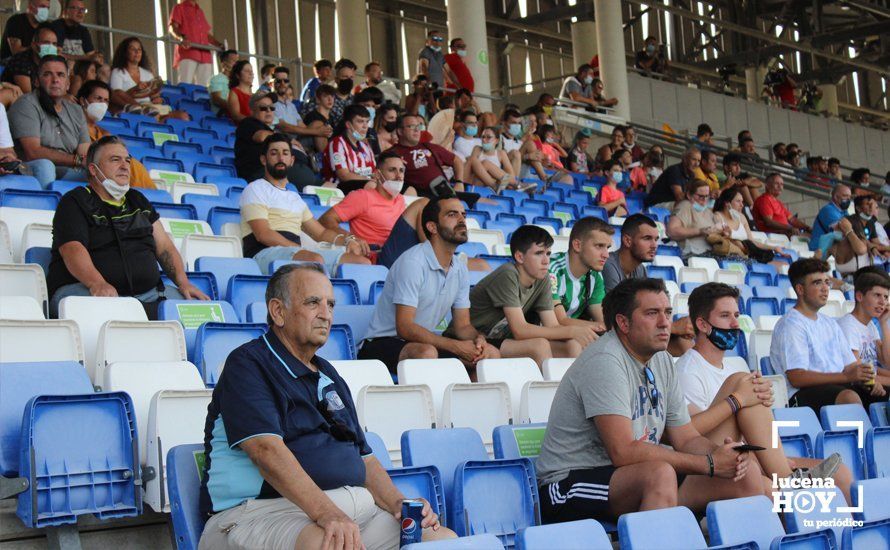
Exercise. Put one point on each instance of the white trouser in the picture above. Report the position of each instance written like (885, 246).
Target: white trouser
(192, 72)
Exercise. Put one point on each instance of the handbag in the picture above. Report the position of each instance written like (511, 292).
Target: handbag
(758, 254)
(724, 246)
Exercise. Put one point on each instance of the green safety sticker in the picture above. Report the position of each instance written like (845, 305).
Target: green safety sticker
(200, 459)
(564, 216)
(194, 315)
(443, 324)
(591, 190)
(746, 324)
(181, 228)
(529, 441)
(325, 195)
(161, 137)
(483, 57)
(172, 177)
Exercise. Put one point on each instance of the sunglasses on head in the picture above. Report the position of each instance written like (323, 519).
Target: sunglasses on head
(653, 390)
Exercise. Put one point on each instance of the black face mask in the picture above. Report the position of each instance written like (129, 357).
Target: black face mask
(391, 126)
(344, 86)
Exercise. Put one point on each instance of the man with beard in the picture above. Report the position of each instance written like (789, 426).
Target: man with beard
(422, 285)
(272, 217)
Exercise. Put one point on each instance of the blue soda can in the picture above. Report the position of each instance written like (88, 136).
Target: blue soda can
(412, 516)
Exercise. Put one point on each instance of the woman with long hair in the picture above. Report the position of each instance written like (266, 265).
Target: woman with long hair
(386, 123)
(134, 86)
(728, 212)
(241, 88)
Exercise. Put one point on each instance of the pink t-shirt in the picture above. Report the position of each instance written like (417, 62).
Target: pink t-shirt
(370, 215)
(609, 194)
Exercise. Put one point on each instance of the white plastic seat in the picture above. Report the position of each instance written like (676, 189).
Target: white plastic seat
(513, 372)
(488, 237)
(555, 369)
(535, 402)
(729, 277)
(708, 264)
(231, 229)
(361, 373)
(472, 223)
(502, 250)
(389, 411)
(777, 239)
(169, 177)
(40, 340)
(565, 231)
(16, 219)
(767, 322)
(746, 323)
(137, 341)
(835, 295)
(736, 362)
(195, 246)
(759, 237)
(178, 229)
(692, 275)
(672, 261)
(758, 347)
(180, 188)
(789, 293)
(481, 406)
(435, 373)
(35, 234)
(834, 309)
(175, 417)
(6, 256)
(324, 194)
(560, 243)
(673, 289)
(91, 312)
(681, 304)
(780, 390)
(23, 280)
(20, 307)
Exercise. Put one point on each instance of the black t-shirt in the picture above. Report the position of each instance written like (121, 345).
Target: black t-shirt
(73, 40)
(661, 190)
(248, 151)
(83, 217)
(17, 26)
(313, 116)
(21, 64)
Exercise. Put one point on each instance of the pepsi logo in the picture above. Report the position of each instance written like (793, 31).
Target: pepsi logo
(409, 525)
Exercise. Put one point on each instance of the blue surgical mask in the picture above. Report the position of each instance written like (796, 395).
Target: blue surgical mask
(42, 15)
(372, 112)
(650, 49)
(699, 207)
(588, 80)
(48, 49)
(487, 146)
(724, 339)
(421, 111)
(617, 177)
(472, 130)
(516, 130)
(357, 136)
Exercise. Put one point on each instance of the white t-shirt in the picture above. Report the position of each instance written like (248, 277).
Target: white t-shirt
(699, 380)
(802, 343)
(510, 144)
(121, 80)
(463, 147)
(862, 337)
(5, 136)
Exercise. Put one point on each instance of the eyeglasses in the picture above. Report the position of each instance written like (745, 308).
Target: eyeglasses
(700, 197)
(79, 10)
(438, 39)
(265, 109)
(413, 126)
(282, 81)
(653, 391)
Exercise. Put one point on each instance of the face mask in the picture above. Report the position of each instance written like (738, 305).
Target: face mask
(393, 187)
(421, 111)
(391, 126)
(844, 205)
(116, 191)
(96, 111)
(865, 217)
(655, 172)
(487, 147)
(436, 48)
(650, 49)
(516, 130)
(275, 122)
(357, 136)
(372, 112)
(617, 177)
(47, 49)
(699, 207)
(471, 130)
(41, 15)
(344, 86)
(588, 80)
(548, 110)
(462, 53)
(724, 339)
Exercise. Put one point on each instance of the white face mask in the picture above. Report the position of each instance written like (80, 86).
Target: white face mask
(41, 15)
(116, 191)
(393, 187)
(96, 111)
(462, 53)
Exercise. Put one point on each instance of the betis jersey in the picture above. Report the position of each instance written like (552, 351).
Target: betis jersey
(575, 295)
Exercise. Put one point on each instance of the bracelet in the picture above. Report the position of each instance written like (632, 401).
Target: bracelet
(349, 238)
(710, 465)
(334, 242)
(735, 403)
(847, 233)
(732, 406)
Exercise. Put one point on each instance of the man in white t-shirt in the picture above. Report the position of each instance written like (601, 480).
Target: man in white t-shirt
(467, 130)
(727, 401)
(872, 289)
(511, 137)
(808, 347)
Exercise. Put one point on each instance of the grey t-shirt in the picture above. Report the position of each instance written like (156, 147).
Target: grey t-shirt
(64, 133)
(607, 380)
(572, 85)
(613, 274)
(436, 62)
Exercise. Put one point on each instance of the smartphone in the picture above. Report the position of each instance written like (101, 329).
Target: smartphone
(746, 448)
(11, 166)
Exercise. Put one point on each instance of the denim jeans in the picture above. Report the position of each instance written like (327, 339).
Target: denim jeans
(79, 289)
(42, 169)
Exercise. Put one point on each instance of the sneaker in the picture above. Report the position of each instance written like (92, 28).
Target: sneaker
(823, 470)
(505, 182)
(527, 187)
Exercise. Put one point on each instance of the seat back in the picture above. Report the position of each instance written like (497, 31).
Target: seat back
(358, 317)
(842, 417)
(21, 307)
(476, 542)
(555, 369)
(877, 452)
(36, 234)
(137, 341)
(513, 372)
(243, 290)
(23, 280)
(16, 219)
(340, 345)
(192, 314)
(378, 447)
(871, 496)
(872, 535)
(519, 441)
(585, 534)
(40, 340)
(194, 246)
(708, 264)
(421, 482)
(215, 341)
(25, 198)
(225, 268)
(802, 519)
(361, 373)
(84, 459)
(91, 313)
(444, 449)
(364, 276)
(392, 410)
(808, 426)
(665, 528)
(185, 468)
(435, 373)
(481, 406)
(730, 521)
(535, 401)
(879, 414)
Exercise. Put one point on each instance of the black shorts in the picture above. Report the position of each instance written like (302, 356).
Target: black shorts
(387, 350)
(816, 397)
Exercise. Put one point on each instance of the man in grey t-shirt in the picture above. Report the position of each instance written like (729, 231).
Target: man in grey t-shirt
(431, 61)
(602, 454)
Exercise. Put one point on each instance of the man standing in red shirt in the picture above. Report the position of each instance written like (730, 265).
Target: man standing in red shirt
(771, 214)
(455, 62)
(189, 26)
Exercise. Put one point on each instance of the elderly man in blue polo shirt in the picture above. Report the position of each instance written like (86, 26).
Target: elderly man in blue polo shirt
(824, 228)
(287, 465)
(423, 285)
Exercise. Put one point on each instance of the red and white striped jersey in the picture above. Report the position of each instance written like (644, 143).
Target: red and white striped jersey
(342, 155)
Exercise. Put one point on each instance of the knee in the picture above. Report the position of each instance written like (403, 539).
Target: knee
(848, 397)
(424, 351)
(660, 483)
(354, 259)
(308, 256)
(540, 349)
(574, 348)
(753, 484)
(843, 477)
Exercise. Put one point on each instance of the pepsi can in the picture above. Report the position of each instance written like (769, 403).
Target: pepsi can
(412, 516)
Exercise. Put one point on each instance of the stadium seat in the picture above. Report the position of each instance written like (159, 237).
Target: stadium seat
(554, 369)
(208, 171)
(769, 292)
(243, 290)
(224, 269)
(729, 277)
(585, 534)
(392, 410)
(6, 255)
(871, 496)
(185, 468)
(470, 248)
(692, 275)
(39, 341)
(358, 317)
(21, 183)
(215, 341)
(762, 306)
(475, 542)
(162, 164)
(203, 202)
(257, 312)
(24, 280)
(846, 443)
(708, 264)
(203, 281)
(191, 159)
(137, 341)
(801, 520)
(170, 148)
(182, 188)
(877, 452)
(194, 246)
(687, 288)
(871, 535)
(340, 345)
(346, 292)
(799, 440)
(361, 373)
(766, 368)
(36, 235)
(364, 276)
(219, 217)
(21, 307)
(519, 441)
(178, 229)
(767, 322)
(879, 414)
(759, 343)
(157, 195)
(36, 200)
(664, 529)
(831, 415)
(673, 261)
(16, 219)
(192, 314)
(19, 382)
(516, 373)
(92, 435)
(751, 519)
(665, 272)
(756, 279)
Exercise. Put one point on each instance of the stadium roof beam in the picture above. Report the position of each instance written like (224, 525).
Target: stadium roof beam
(746, 58)
(869, 7)
(754, 33)
(582, 10)
(851, 33)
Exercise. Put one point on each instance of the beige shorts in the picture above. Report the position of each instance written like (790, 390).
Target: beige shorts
(276, 523)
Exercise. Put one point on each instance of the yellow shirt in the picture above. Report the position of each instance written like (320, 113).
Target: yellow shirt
(711, 178)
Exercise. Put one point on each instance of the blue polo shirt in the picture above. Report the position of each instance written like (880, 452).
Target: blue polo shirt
(264, 390)
(417, 280)
(829, 215)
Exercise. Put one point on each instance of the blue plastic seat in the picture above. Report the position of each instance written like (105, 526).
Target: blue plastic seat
(766, 367)
(135, 118)
(845, 443)
(745, 292)
(19, 382)
(257, 312)
(595, 212)
(871, 535)
(223, 125)
(758, 267)
(192, 314)
(581, 198)
(376, 291)
(114, 125)
(565, 207)
(800, 440)
(215, 341)
(205, 282)
(877, 452)
(669, 250)
(157, 195)
(830, 415)
(519, 440)
(36, 200)
(170, 148)
(874, 502)
(731, 521)
(756, 279)
(245, 289)
(507, 227)
(160, 163)
(769, 292)
(196, 135)
(340, 345)
(179, 126)
(665, 272)
(218, 216)
(541, 208)
(480, 216)
(346, 292)
(687, 288)
(879, 414)
(134, 142)
(554, 223)
(20, 182)
(224, 183)
(184, 472)
(495, 261)
(476, 542)
(175, 211)
(803, 520)
(473, 249)
(190, 159)
(634, 205)
(221, 154)
(224, 269)
(63, 186)
(149, 129)
(666, 528)
(357, 317)
(203, 203)
(788, 304)
(658, 213)
(364, 276)
(206, 171)
(762, 306)
(40, 255)
(783, 282)
(504, 202)
(476, 276)
(573, 535)
(84, 459)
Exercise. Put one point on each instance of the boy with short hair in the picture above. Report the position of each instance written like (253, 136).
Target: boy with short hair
(872, 290)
